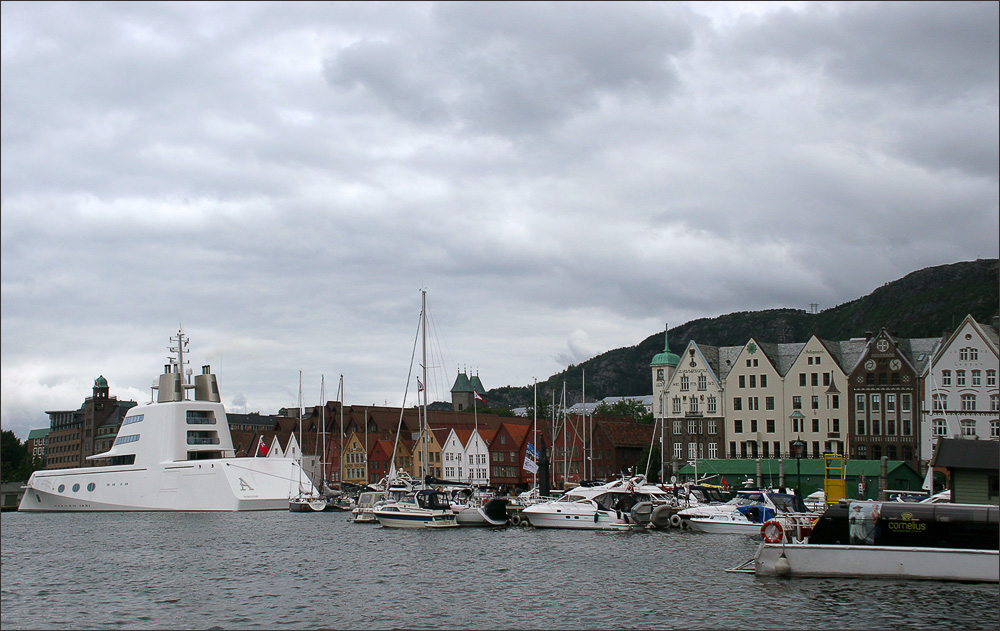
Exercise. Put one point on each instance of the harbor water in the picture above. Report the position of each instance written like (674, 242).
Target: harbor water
(318, 570)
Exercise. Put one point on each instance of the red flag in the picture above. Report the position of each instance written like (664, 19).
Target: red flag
(478, 396)
(725, 484)
(261, 447)
(420, 386)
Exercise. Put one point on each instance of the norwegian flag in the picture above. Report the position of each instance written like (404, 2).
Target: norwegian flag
(478, 396)
(420, 386)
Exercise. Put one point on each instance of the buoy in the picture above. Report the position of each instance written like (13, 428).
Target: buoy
(782, 567)
(675, 520)
(515, 519)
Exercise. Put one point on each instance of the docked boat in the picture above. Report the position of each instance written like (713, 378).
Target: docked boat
(601, 507)
(174, 454)
(746, 512)
(948, 542)
(363, 511)
(425, 508)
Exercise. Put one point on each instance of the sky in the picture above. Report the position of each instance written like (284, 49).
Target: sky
(283, 180)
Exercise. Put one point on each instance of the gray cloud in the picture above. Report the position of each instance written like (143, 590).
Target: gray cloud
(282, 178)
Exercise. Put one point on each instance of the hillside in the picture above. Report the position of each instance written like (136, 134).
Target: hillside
(924, 303)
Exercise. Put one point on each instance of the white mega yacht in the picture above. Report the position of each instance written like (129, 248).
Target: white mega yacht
(174, 454)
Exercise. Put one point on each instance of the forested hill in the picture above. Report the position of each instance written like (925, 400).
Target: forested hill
(924, 303)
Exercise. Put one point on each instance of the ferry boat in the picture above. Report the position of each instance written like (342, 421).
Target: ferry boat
(174, 454)
(948, 542)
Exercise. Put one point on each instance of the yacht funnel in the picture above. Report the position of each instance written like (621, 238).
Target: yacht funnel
(206, 388)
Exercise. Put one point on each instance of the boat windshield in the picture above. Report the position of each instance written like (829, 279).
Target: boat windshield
(787, 503)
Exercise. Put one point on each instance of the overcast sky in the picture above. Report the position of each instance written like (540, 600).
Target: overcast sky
(563, 179)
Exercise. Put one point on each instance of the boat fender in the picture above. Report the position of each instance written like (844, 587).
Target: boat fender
(515, 519)
(675, 520)
(782, 567)
(772, 532)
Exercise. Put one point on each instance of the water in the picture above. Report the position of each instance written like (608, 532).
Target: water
(303, 571)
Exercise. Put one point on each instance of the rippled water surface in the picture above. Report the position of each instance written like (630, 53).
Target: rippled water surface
(284, 570)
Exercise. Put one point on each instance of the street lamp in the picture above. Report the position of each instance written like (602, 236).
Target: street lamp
(797, 445)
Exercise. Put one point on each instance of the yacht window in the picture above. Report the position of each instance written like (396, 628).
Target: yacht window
(200, 417)
(132, 419)
(121, 440)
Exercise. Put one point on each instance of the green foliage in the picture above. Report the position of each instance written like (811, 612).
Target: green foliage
(630, 408)
(13, 458)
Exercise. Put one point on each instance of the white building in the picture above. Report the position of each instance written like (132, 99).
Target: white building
(960, 393)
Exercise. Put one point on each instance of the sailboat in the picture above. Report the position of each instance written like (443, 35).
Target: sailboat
(306, 500)
(424, 507)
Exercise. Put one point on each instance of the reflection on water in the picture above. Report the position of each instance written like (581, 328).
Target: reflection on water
(279, 569)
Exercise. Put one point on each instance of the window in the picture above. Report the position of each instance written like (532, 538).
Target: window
(890, 403)
(817, 360)
(694, 404)
(994, 403)
(659, 374)
(712, 405)
(743, 381)
(797, 402)
(713, 427)
(815, 425)
(959, 377)
(940, 402)
(994, 429)
(753, 381)
(968, 402)
(815, 379)
(702, 382)
(121, 440)
(802, 379)
(968, 428)
(945, 377)
(770, 425)
(835, 425)
(677, 405)
(677, 428)
(738, 426)
(685, 383)
(737, 403)
(826, 379)
(977, 378)
(876, 403)
(128, 420)
(815, 402)
(907, 428)
(692, 426)
(835, 401)
(991, 377)
(862, 452)
(905, 402)
(713, 451)
(763, 381)
(768, 403)
(798, 425)
(753, 426)
(876, 427)
(753, 403)
(692, 450)
(677, 451)
(859, 402)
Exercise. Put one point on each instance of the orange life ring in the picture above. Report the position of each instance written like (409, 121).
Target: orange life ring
(772, 531)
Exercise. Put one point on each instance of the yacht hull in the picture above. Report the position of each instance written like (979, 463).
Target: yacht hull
(228, 484)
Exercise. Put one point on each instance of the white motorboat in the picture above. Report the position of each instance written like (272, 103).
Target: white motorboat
(174, 454)
(367, 501)
(753, 505)
(601, 507)
(858, 539)
(425, 508)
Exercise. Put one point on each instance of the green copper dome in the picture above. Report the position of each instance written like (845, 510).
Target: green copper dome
(666, 358)
(462, 383)
(101, 382)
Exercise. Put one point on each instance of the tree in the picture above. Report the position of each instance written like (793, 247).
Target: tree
(625, 407)
(13, 457)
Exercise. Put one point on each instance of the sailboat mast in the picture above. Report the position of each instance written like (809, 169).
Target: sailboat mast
(423, 367)
(341, 391)
(322, 429)
(300, 432)
(534, 436)
(565, 420)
